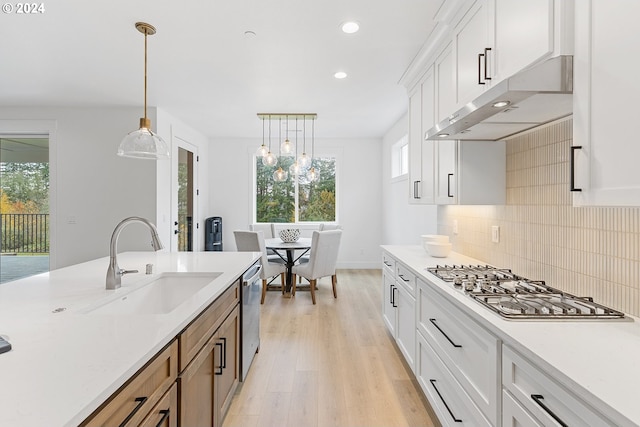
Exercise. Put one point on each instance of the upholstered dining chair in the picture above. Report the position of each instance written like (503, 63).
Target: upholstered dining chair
(253, 241)
(322, 261)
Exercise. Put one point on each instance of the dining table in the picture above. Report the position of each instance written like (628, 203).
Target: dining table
(287, 252)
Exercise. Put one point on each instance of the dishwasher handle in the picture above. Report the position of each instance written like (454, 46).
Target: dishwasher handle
(255, 275)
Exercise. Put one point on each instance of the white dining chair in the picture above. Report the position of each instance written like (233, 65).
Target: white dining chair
(253, 241)
(322, 262)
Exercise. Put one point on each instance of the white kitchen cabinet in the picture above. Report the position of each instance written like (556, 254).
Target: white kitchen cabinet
(605, 94)
(399, 307)
(445, 84)
(421, 152)
(470, 172)
(469, 352)
(542, 396)
(513, 414)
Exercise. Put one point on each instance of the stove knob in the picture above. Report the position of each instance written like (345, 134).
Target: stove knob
(457, 282)
(469, 286)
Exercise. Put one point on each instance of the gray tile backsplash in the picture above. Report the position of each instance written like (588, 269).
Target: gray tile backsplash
(585, 251)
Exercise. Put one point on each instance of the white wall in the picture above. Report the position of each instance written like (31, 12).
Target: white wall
(358, 193)
(402, 223)
(93, 188)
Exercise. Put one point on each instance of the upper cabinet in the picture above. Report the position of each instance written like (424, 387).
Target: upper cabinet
(604, 155)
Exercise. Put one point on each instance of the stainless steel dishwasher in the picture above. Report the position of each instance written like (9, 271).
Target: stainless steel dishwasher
(251, 292)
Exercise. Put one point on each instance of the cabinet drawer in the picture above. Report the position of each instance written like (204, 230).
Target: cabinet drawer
(165, 413)
(451, 403)
(388, 262)
(513, 414)
(468, 350)
(195, 336)
(546, 399)
(131, 404)
(406, 278)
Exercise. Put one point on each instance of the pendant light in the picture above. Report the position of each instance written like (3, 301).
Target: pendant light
(287, 147)
(262, 150)
(143, 143)
(303, 160)
(270, 159)
(280, 174)
(313, 175)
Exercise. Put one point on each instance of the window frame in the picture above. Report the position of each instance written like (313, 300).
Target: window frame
(399, 163)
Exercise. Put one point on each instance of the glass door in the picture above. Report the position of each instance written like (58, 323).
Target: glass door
(184, 237)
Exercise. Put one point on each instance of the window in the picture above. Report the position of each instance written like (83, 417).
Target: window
(296, 200)
(400, 158)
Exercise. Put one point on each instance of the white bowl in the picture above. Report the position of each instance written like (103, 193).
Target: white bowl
(289, 235)
(438, 249)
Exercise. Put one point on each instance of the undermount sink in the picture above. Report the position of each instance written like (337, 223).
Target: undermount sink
(160, 296)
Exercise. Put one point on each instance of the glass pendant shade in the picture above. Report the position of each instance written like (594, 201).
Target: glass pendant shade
(143, 143)
(262, 151)
(286, 148)
(270, 159)
(304, 161)
(313, 174)
(280, 175)
(295, 169)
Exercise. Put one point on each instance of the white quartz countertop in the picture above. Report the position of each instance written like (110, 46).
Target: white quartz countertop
(593, 358)
(64, 364)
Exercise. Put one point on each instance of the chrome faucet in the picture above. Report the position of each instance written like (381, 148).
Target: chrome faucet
(114, 273)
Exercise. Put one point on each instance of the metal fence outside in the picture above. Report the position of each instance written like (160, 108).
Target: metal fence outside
(24, 233)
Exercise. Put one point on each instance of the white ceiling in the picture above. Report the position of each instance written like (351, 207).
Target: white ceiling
(205, 71)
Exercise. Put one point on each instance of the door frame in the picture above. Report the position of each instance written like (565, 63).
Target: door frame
(177, 144)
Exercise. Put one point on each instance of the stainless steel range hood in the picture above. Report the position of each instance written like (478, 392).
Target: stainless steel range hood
(533, 97)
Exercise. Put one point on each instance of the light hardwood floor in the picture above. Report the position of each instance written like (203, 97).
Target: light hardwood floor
(329, 364)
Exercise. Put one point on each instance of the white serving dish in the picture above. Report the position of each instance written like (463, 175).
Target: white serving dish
(438, 249)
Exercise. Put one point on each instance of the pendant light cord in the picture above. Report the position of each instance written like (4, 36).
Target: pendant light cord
(145, 73)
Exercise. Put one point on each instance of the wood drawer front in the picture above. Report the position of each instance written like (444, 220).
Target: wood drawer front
(388, 262)
(405, 277)
(134, 401)
(468, 350)
(451, 403)
(195, 336)
(534, 389)
(165, 413)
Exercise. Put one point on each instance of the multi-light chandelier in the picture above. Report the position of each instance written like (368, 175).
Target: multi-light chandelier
(302, 165)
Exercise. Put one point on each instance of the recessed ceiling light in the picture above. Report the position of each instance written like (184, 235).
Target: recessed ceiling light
(350, 27)
(501, 104)
(340, 75)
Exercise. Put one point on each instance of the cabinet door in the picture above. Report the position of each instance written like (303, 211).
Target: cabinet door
(523, 35)
(472, 46)
(406, 327)
(415, 146)
(606, 67)
(165, 413)
(445, 89)
(196, 384)
(389, 294)
(226, 358)
(427, 152)
(446, 172)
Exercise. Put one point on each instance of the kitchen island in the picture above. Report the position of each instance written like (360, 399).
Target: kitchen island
(68, 357)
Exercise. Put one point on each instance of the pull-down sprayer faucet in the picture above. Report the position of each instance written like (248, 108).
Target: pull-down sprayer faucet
(114, 273)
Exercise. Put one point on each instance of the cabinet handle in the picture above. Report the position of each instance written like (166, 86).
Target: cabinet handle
(403, 279)
(573, 168)
(221, 354)
(416, 193)
(433, 384)
(480, 56)
(224, 353)
(538, 399)
(445, 335)
(449, 175)
(393, 296)
(165, 415)
(486, 57)
(387, 264)
(141, 401)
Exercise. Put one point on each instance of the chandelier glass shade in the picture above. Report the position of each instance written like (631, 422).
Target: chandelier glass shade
(143, 143)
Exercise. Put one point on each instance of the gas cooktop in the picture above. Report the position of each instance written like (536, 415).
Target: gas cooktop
(516, 297)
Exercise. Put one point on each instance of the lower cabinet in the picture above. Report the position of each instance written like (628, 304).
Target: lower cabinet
(191, 382)
(513, 414)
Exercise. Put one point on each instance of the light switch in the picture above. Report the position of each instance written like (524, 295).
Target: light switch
(495, 233)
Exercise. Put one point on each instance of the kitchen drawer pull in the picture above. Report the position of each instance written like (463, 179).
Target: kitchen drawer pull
(393, 296)
(573, 168)
(141, 401)
(449, 175)
(221, 353)
(486, 57)
(538, 398)
(403, 279)
(445, 335)
(387, 264)
(165, 415)
(224, 353)
(480, 56)
(433, 384)
(416, 193)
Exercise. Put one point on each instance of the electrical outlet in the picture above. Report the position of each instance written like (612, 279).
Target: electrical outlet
(495, 233)
(455, 226)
